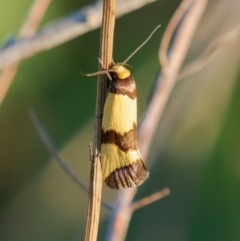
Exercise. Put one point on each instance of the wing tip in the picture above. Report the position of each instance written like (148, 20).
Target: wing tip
(127, 177)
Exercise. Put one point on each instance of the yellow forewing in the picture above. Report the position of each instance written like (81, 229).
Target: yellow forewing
(120, 112)
(112, 158)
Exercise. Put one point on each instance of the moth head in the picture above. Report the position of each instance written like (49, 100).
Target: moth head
(121, 71)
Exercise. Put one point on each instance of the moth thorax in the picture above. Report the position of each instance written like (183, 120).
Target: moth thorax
(121, 71)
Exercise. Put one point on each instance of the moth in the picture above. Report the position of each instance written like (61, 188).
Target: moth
(122, 165)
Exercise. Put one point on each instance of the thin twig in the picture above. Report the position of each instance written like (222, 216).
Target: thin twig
(29, 28)
(150, 199)
(34, 18)
(48, 143)
(118, 225)
(225, 41)
(168, 34)
(61, 31)
(95, 182)
(167, 78)
(6, 78)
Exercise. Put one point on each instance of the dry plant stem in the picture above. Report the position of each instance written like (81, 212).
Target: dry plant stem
(95, 183)
(120, 217)
(29, 27)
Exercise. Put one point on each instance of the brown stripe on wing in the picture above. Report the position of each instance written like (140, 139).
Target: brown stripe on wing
(129, 176)
(125, 142)
(125, 86)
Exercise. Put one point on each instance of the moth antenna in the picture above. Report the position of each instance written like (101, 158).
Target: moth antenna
(139, 47)
(126, 65)
(101, 72)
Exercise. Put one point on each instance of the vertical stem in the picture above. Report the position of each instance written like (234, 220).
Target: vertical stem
(95, 186)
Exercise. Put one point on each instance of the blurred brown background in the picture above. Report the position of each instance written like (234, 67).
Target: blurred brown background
(195, 152)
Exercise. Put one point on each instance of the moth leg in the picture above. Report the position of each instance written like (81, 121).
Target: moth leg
(99, 115)
(90, 152)
(103, 67)
(101, 63)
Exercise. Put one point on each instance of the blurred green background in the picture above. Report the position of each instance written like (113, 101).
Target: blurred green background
(195, 151)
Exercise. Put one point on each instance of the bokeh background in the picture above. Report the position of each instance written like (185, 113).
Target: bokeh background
(195, 152)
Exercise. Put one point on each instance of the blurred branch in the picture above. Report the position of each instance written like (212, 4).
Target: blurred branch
(225, 41)
(34, 18)
(150, 199)
(48, 143)
(29, 27)
(180, 41)
(95, 180)
(61, 31)
(171, 28)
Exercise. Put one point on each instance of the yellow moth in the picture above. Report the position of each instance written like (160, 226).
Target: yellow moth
(122, 165)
